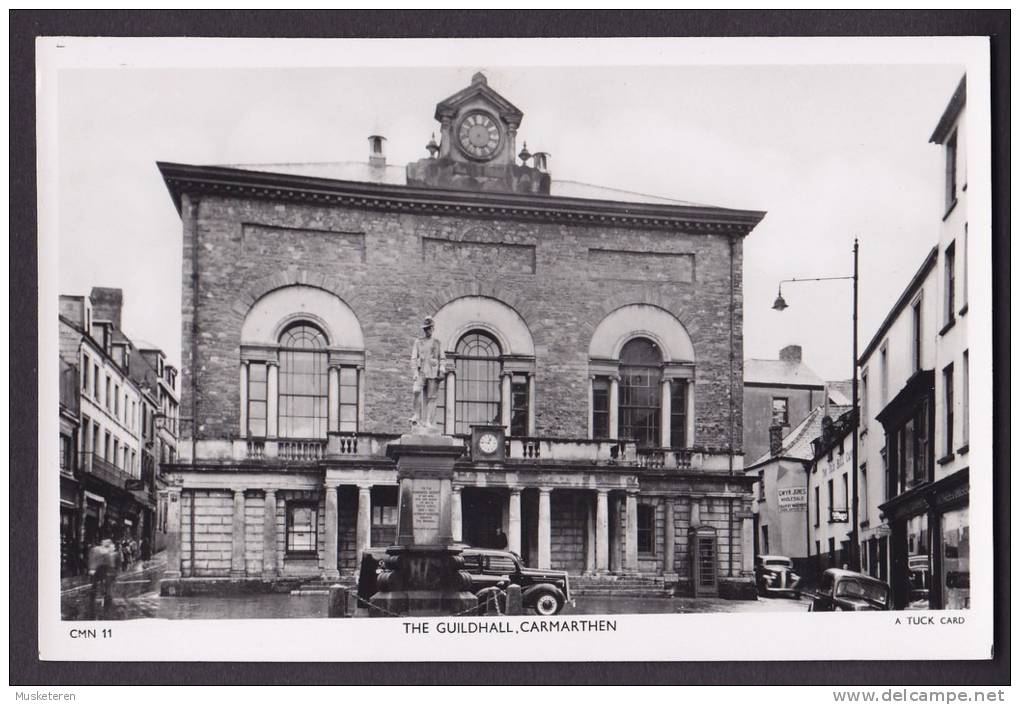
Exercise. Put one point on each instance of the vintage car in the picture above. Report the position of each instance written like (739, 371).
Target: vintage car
(849, 591)
(773, 575)
(543, 591)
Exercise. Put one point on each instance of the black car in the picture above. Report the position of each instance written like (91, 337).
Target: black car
(774, 575)
(849, 591)
(543, 591)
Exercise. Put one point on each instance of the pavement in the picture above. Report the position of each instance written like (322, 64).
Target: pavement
(150, 605)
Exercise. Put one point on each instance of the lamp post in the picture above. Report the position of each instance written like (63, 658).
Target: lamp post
(780, 305)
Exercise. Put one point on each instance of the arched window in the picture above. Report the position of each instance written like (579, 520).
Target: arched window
(640, 389)
(304, 382)
(478, 382)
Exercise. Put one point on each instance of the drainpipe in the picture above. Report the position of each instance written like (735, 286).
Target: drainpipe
(732, 307)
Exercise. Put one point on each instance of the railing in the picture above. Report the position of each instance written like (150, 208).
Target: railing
(601, 451)
(301, 450)
(362, 445)
(105, 471)
(664, 458)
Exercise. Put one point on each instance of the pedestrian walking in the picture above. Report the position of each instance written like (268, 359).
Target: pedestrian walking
(103, 573)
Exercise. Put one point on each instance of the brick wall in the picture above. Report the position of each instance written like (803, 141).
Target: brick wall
(569, 524)
(213, 532)
(390, 289)
(254, 512)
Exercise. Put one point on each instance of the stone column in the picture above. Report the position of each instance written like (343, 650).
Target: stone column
(631, 562)
(451, 402)
(237, 538)
(589, 541)
(531, 404)
(361, 397)
(269, 569)
(544, 528)
(457, 518)
(332, 526)
(364, 532)
(505, 381)
(666, 410)
(614, 536)
(669, 540)
(513, 534)
(272, 399)
(243, 416)
(333, 399)
(602, 531)
(614, 406)
(173, 535)
(695, 512)
(747, 545)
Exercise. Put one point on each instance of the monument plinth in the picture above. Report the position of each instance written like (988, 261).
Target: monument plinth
(423, 574)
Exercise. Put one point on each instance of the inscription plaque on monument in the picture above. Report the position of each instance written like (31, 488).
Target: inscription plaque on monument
(425, 499)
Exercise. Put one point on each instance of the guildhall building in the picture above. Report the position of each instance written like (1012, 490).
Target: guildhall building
(593, 344)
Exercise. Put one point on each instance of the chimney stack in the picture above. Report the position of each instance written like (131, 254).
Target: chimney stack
(376, 151)
(541, 161)
(107, 304)
(775, 439)
(791, 353)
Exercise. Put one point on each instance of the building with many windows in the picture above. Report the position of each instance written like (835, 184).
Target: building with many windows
(598, 332)
(926, 423)
(109, 473)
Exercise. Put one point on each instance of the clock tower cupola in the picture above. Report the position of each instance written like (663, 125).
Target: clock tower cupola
(478, 146)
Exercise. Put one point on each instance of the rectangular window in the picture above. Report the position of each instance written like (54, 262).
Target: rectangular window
(348, 414)
(916, 341)
(832, 499)
(646, 528)
(257, 399)
(116, 401)
(949, 282)
(883, 372)
(864, 400)
(818, 508)
(780, 411)
(765, 540)
(65, 453)
(95, 382)
(846, 491)
(108, 398)
(86, 434)
(384, 524)
(947, 389)
(951, 171)
(963, 285)
(86, 368)
(600, 407)
(965, 411)
(862, 500)
(302, 523)
(678, 414)
(116, 452)
(519, 405)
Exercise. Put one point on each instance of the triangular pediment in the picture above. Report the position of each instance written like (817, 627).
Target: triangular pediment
(479, 88)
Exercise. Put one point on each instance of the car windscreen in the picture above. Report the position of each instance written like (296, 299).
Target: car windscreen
(778, 564)
(873, 592)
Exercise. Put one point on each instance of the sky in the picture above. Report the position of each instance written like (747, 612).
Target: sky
(831, 153)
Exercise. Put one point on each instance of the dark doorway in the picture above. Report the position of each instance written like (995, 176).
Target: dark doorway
(482, 514)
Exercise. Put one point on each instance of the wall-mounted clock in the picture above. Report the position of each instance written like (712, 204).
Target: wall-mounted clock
(488, 443)
(478, 135)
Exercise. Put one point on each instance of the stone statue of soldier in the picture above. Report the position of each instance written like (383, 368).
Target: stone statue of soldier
(428, 362)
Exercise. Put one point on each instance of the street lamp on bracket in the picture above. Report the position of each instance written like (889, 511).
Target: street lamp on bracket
(781, 305)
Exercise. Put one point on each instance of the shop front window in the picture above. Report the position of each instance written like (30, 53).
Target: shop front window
(956, 560)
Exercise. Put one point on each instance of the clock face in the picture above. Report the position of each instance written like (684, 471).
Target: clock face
(488, 443)
(478, 136)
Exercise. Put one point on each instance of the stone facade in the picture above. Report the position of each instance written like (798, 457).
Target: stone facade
(559, 284)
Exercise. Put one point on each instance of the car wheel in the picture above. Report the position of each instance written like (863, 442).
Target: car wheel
(547, 604)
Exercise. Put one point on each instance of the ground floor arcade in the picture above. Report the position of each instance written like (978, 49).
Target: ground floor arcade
(270, 524)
